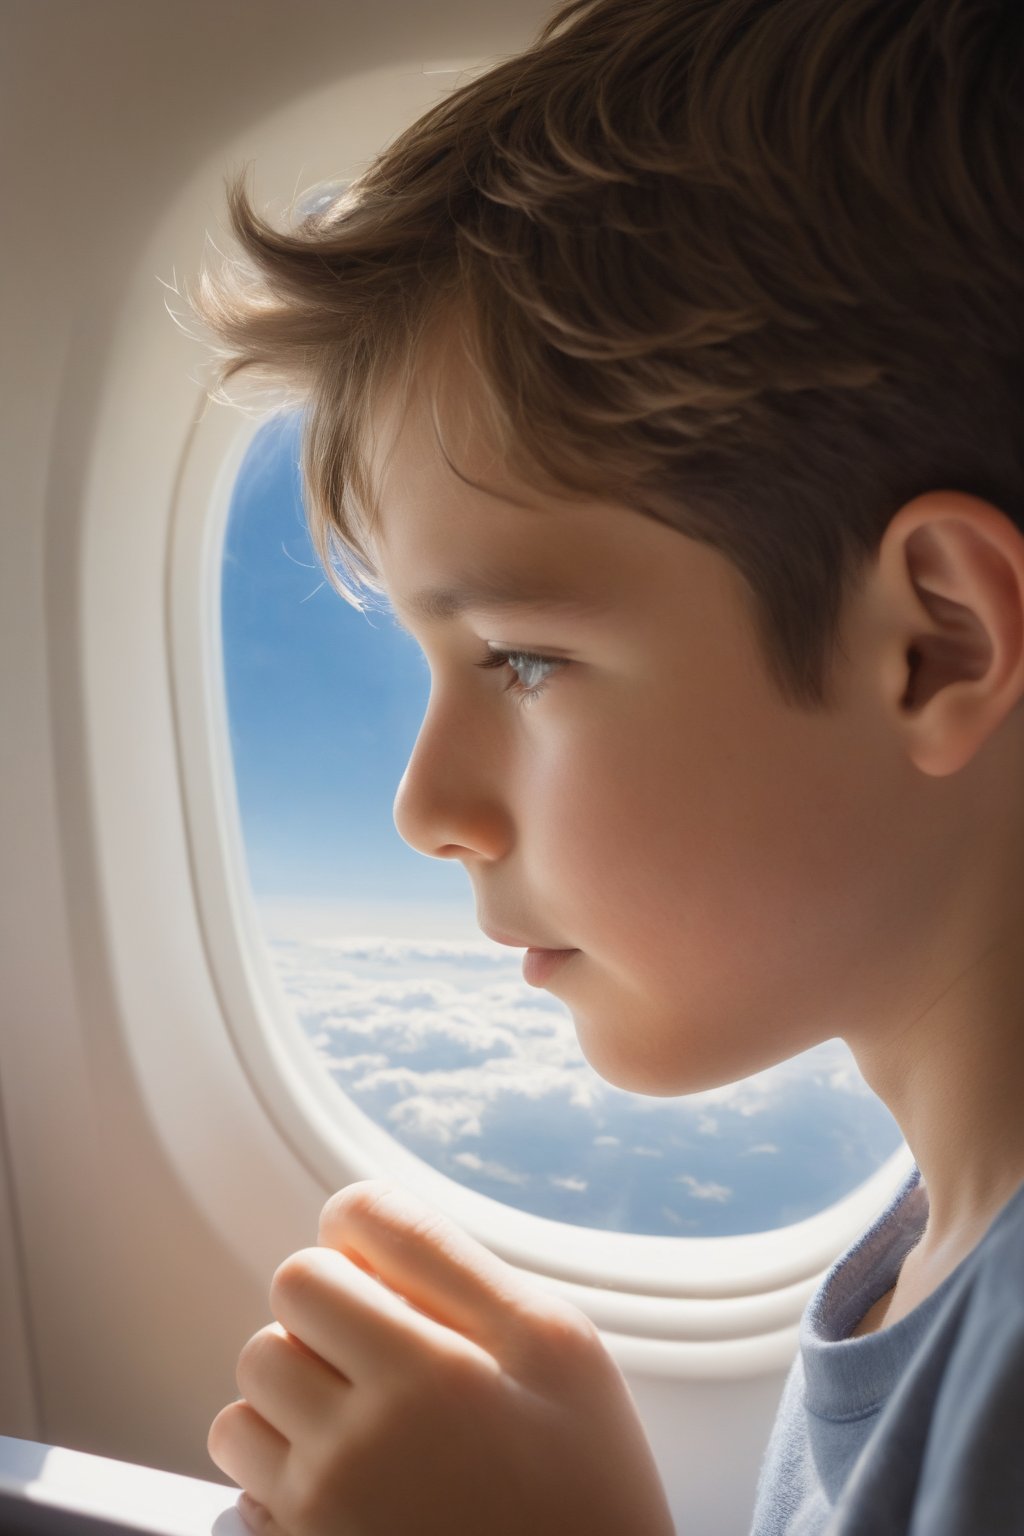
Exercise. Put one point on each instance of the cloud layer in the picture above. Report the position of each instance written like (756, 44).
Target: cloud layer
(445, 1046)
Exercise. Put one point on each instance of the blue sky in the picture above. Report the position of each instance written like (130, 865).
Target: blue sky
(324, 704)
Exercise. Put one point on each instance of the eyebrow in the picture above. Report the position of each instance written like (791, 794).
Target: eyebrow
(497, 595)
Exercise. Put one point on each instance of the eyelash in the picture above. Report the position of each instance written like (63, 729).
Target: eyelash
(525, 695)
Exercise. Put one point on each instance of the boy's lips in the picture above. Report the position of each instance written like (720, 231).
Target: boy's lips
(539, 964)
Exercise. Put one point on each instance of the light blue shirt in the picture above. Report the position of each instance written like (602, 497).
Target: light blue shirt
(916, 1430)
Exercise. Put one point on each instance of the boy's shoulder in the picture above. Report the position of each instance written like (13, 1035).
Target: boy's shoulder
(972, 1473)
(943, 1457)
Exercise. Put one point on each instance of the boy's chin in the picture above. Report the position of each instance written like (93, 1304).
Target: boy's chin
(616, 1053)
(617, 1060)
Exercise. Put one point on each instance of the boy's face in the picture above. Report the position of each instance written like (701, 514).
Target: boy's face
(711, 854)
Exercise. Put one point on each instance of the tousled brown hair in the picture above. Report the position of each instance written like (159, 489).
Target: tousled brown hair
(751, 267)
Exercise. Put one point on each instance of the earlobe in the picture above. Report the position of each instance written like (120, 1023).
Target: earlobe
(954, 565)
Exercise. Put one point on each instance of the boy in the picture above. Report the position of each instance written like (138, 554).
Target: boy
(667, 380)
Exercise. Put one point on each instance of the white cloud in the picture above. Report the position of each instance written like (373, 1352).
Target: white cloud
(489, 1168)
(706, 1191)
(364, 1061)
(846, 1079)
(392, 951)
(437, 1119)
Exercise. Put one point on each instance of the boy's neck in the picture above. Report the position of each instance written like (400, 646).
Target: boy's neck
(953, 1078)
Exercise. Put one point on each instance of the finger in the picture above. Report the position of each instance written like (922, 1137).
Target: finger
(247, 1449)
(427, 1258)
(357, 1326)
(257, 1517)
(289, 1386)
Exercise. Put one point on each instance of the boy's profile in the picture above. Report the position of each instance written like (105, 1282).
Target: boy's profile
(667, 381)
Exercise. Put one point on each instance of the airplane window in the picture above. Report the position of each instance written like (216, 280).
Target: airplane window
(419, 1019)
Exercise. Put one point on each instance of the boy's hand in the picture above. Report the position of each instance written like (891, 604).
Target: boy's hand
(484, 1408)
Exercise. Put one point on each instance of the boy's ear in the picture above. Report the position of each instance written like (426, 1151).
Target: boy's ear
(952, 569)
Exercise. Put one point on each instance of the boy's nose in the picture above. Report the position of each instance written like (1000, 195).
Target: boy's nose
(447, 804)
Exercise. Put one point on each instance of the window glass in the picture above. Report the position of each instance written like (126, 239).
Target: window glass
(423, 1022)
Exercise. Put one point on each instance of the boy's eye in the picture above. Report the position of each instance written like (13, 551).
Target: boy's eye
(531, 671)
